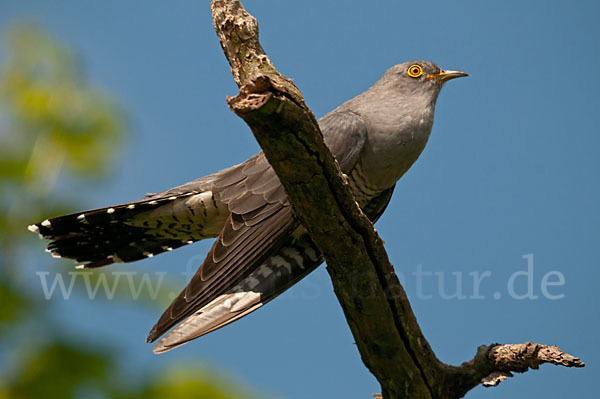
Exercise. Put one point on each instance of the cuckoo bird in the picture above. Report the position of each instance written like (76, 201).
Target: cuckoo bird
(260, 248)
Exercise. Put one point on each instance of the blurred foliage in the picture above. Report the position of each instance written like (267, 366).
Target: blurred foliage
(52, 121)
(59, 370)
(62, 370)
(54, 124)
(57, 116)
(180, 381)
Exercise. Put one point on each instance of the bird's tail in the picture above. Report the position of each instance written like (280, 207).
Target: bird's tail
(133, 231)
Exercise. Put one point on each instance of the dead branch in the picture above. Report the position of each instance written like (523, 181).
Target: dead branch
(376, 307)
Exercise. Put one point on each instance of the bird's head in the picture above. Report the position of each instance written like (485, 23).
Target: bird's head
(414, 77)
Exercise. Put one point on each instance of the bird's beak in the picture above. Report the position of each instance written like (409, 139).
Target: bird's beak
(445, 76)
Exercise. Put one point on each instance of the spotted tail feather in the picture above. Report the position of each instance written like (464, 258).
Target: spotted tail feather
(132, 231)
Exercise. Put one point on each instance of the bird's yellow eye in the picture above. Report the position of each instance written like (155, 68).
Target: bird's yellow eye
(414, 71)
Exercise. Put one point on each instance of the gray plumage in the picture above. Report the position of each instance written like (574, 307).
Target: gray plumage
(260, 248)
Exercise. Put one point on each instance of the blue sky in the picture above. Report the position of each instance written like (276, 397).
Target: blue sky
(511, 169)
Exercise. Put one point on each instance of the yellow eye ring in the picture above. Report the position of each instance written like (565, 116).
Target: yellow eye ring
(414, 71)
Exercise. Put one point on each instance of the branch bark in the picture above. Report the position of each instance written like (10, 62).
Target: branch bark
(375, 304)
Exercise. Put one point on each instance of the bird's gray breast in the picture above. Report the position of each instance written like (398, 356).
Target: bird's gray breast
(395, 139)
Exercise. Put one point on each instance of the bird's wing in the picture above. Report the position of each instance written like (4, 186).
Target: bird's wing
(345, 133)
(260, 223)
(375, 208)
(292, 262)
(278, 272)
(260, 220)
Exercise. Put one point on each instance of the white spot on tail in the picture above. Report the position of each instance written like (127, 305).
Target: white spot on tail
(263, 270)
(279, 262)
(152, 202)
(252, 282)
(172, 198)
(110, 210)
(33, 228)
(81, 217)
(79, 267)
(167, 248)
(295, 255)
(131, 206)
(189, 242)
(147, 254)
(312, 255)
(46, 223)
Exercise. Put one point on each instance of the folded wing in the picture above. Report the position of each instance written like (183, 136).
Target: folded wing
(255, 257)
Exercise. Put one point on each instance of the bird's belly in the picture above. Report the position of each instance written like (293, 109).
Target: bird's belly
(381, 167)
